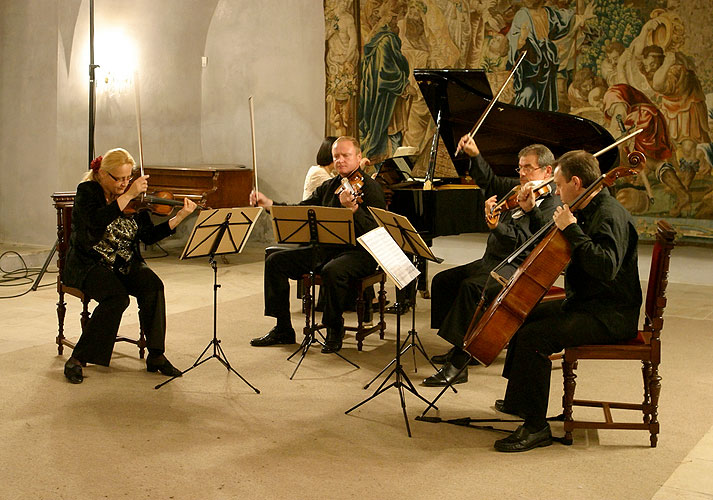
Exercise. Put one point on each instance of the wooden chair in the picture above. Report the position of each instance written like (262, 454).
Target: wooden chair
(363, 308)
(64, 202)
(646, 348)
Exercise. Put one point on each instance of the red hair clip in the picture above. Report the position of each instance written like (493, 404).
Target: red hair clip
(96, 163)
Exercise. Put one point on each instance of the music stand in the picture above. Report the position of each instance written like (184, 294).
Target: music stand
(218, 232)
(401, 270)
(315, 226)
(410, 242)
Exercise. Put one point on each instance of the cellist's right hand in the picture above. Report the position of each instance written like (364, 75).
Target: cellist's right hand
(257, 199)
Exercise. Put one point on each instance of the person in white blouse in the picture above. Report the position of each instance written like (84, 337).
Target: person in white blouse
(323, 170)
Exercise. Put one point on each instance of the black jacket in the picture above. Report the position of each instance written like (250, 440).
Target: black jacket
(603, 276)
(372, 195)
(511, 232)
(90, 217)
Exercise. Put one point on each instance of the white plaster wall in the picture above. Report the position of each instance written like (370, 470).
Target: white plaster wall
(282, 67)
(272, 49)
(28, 120)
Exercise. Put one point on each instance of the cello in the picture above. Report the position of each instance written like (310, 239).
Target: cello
(488, 334)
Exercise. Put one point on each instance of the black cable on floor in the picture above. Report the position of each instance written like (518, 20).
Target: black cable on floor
(22, 275)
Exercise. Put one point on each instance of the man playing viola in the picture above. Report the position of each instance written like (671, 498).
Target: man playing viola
(336, 265)
(451, 313)
(603, 298)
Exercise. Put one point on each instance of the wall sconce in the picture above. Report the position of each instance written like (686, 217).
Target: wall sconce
(117, 60)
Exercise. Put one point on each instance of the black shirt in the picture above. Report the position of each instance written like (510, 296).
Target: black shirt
(602, 277)
(515, 226)
(372, 196)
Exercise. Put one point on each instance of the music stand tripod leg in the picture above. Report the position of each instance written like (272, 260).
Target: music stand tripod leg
(400, 377)
(218, 352)
(432, 404)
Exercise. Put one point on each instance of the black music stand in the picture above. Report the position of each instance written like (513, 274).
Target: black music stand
(401, 270)
(408, 239)
(218, 232)
(315, 226)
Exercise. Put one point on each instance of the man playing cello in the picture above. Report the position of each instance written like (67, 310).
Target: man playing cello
(603, 298)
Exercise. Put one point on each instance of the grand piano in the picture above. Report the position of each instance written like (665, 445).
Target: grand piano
(461, 97)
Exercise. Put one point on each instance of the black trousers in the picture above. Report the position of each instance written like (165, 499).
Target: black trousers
(336, 265)
(111, 290)
(528, 368)
(455, 294)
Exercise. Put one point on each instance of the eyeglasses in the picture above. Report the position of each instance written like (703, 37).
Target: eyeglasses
(121, 179)
(527, 169)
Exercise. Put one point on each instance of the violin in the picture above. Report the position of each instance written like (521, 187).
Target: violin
(160, 203)
(353, 183)
(541, 189)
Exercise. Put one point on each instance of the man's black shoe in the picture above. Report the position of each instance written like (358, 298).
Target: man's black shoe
(333, 342)
(402, 308)
(274, 337)
(503, 408)
(442, 359)
(445, 375)
(523, 440)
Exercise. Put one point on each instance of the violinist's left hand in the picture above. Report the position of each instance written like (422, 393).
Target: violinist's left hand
(188, 207)
(348, 200)
(526, 198)
(563, 217)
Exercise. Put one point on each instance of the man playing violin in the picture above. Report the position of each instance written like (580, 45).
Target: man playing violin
(451, 313)
(337, 265)
(603, 298)
(105, 263)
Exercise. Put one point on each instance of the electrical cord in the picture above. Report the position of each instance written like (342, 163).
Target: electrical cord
(20, 276)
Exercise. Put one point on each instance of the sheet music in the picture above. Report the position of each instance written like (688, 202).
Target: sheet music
(379, 243)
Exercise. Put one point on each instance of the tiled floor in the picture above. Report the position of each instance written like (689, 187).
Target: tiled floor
(24, 320)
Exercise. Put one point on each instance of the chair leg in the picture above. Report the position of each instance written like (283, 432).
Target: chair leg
(568, 397)
(85, 313)
(646, 370)
(142, 343)
(61, 311)
(655, 391)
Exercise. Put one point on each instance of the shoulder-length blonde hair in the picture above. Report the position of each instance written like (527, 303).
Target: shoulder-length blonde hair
(111, 160)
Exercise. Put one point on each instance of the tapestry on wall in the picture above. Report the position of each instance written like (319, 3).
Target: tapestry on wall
(623, 64)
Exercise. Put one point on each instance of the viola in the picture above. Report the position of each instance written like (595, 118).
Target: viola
(510, 201)
(353, 183)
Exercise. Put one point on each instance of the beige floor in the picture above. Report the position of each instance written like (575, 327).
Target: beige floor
(26, 320)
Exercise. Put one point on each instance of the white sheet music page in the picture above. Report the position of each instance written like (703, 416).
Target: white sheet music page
(389, 255)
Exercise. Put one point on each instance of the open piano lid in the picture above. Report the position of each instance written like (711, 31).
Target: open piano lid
(463, 95)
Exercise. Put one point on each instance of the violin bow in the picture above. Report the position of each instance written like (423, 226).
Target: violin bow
(475, 128)
(138, 125)
(252, 131)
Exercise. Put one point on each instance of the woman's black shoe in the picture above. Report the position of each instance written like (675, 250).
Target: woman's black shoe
(73, 372)
(161, 364)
